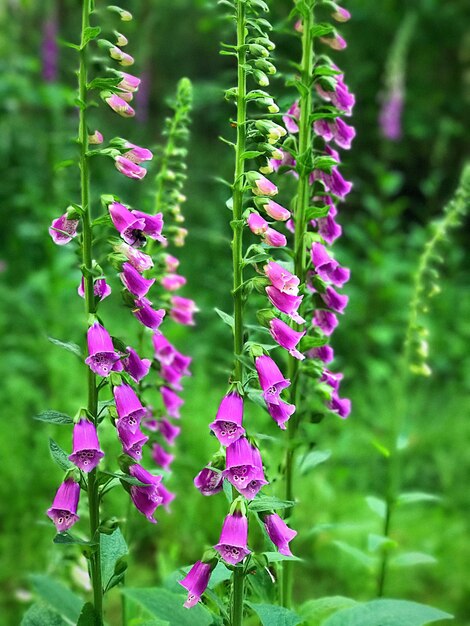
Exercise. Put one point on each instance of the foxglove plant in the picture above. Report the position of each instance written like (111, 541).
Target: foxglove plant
(314, 122)
(238, 466)
(111, 363)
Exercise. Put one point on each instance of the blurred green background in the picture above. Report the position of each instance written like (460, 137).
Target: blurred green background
(399, 187)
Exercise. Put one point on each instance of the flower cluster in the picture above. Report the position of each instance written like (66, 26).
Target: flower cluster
(111, 361)
(239, 460)
(323, 274)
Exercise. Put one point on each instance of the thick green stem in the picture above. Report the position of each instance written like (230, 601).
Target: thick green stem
(237, 256)
(87, 259)
(301, 206)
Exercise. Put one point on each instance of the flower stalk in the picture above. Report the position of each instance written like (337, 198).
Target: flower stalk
(87, 258)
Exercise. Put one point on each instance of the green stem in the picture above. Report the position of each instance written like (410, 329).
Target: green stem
(237, 596)
(385, 552)
(301, 205)
(90, 308)
(237, 256)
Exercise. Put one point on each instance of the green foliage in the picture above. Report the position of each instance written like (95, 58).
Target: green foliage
(168, 607)
(387, 613)
(271, 615)
(113, 564)
(58, 597)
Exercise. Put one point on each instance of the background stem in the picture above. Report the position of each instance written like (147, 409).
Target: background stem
(301, 205)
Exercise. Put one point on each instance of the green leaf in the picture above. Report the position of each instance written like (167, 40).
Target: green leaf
(379, 542)
(314, 612)
(267, 503)
(251, 154)
(387, 613)
(41, 615)
(272, 615)
(378, 506)
(55, 594)
(168, 606)
(227, 487)
(88, 616)
(59, 455)
(358, 555)
(275, 557)
(113, 551)
(131, 480)
(70, 347)
(410, 559)
(53, 417)
(220, 574)
(225, 317)
(90, 33)
(314, 458)
(312, 342)
(314, 212)
(416, 496)
(69, 539)
(104, 83)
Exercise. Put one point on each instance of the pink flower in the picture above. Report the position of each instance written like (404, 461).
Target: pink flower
(182, 310)
(119, 105)
(264, 187)
(129, 168)
(173, 282)
(282, 279)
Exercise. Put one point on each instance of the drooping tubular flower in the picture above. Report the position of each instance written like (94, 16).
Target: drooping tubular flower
(63, 511)
(271, 379)
(129, 407)
(134, 282)
(101, 288)
(146, 497)
(279, 533)
(102, 355)
(63, 230)
(227, 425)
(209, 481)
(86, 448)
(286, 337)
(196, 581)
(232, 545)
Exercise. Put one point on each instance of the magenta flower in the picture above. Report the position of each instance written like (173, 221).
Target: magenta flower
(263, 186)
(132, 442)
(391, 112)
(129, 407)
(341, 406)
(341, 133)
(172, 376)
(182, 310)
(232, 545)
(257, 224)
(139, 260)
(258, 479)
(119, 105)
(171, 263)
(196, 581)
(327, 268)
(161, 457)
(146, 498)
(281, 413)
(169, 431)
(129, 168)
(102, 355)
(335, 43)
(63, 230)
(136, 153)
(331, 378)
(146, 315)
(136, 367)
(164, 350)
(122, 57)
(209, 481)
(96, 138)
(279, 533)
(325, 321)
(276, 211)
(285, 303)
(334, 300)
(239, 467)
(340, 14)
(128, 82)
(282, 279)
(128, 225)
(340, 96)
(63, 511)
(101, 289)
(273, 238)
(153, 225)
(286, 337)
(271, 379)
(166, 495)
(86, 448)
(291, 118)
(334, 183)
(173, 282)
(227, 426)
(136, 284)
(328, 228)
(172, 402)
(324, 353)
